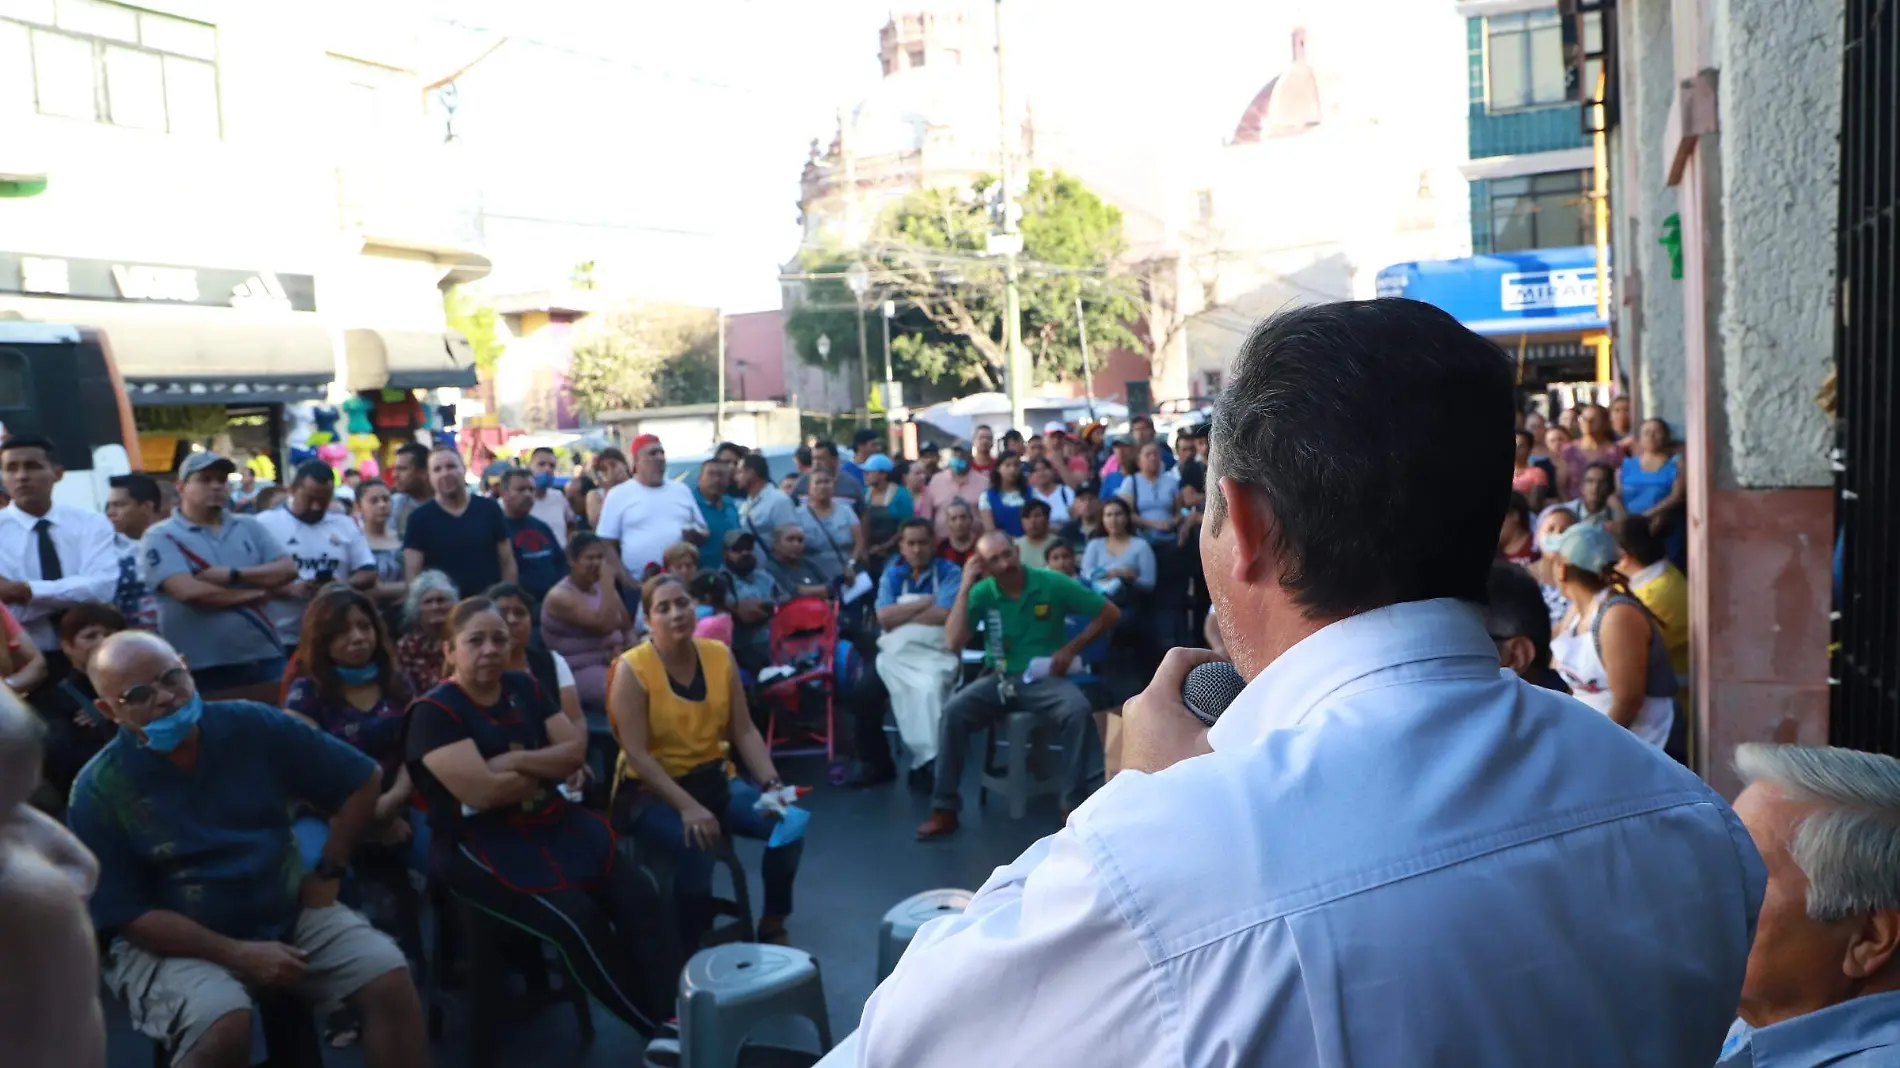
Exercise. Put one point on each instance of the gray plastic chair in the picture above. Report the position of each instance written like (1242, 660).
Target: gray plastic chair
(907, 917)
(727, 993)
(1015, 779)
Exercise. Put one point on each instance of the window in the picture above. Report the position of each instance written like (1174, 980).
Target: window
(106, 62)
(1539, 211)
(916, 56)
(1525, 60)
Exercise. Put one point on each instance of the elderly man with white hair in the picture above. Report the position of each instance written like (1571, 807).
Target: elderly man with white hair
(1823, 983)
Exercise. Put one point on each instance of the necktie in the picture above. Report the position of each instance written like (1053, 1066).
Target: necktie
(49, 553)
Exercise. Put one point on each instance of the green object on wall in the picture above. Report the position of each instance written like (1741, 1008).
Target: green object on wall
(1671, 239)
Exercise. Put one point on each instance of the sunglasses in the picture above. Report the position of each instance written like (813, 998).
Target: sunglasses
(175, 679)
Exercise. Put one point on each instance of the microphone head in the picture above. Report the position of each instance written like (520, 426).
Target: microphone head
(1210, 688)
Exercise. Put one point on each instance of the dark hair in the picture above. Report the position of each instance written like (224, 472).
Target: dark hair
(981, 426)
(579, 543)
(996, 471)
(141, 488)
(1520, 507)
(468, 609)
(916, 523)
(1035, 504)
(417, 452)
(89, 614)
(802, 455)
(267, 498)
(732, 447)
(539, 449)
(828, 447)
(1012, 432)
(314, 471)
(610, 455)
(1634, 536)
(1525, 436)
(1515, 608)
(328, 614)
(27, 441)
(513, 473)
(502, 591)
(755, 463)
(1669, 435)
(369, 484)
(709, 587)
(1115, 501)
(1365, 512)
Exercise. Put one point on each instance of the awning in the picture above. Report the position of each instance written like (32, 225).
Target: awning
(407, 359)
(172, 355)
(1542, 291)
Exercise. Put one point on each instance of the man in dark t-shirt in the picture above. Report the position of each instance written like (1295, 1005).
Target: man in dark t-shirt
(540, 560)
(464, 537)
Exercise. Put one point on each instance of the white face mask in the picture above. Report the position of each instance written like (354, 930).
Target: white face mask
(1548, 543)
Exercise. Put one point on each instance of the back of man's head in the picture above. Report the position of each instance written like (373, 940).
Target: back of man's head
(1377, 433)
(1636, 537)
(1514, 609)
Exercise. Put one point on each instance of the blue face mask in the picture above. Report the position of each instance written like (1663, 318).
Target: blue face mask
(165, 734)
(1548, 543)
(357, 676)
(958, 465)
(544, 480)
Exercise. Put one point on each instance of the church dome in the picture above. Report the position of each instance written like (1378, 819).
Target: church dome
(1287, 105)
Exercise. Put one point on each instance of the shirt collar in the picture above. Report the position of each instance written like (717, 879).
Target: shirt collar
(1838, 1031)
(19, 515)
(1352, 648)
(1649, 574)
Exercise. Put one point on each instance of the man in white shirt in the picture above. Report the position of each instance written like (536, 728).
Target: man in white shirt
(1387, 851)
(647, 513)
(51, 556)
(133, 504)
(550, 504)
(328, 547)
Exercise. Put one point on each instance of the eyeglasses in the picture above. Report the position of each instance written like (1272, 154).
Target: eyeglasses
(176, 679)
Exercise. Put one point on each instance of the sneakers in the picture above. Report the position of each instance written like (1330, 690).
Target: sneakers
(941, 824)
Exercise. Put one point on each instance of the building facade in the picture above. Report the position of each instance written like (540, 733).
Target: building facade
(242, 198)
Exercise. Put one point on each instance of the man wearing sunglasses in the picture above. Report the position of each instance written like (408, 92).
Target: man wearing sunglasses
(201, 893)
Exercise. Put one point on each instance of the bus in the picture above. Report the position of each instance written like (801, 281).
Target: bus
(61, 382)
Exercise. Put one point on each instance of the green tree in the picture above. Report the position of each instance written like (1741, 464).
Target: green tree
(478, 323)
(928, 255)
(644, 354)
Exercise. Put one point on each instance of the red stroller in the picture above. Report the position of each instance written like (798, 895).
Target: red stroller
(804, 636)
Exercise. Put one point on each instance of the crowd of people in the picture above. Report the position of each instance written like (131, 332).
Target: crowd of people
(254, 701)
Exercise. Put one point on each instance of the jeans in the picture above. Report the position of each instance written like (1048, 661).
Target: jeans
(979, 705)
(658, 825)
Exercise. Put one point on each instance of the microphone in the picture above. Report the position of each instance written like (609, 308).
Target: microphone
(1210, 688)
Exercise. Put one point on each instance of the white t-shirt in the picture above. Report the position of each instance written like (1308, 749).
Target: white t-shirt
(1058, 503)
(646, 519)
(551, 508)
(563, 675)
(333, 544)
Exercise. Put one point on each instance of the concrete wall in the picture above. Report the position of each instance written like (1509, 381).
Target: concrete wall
(1780, 182)
(1649, 311)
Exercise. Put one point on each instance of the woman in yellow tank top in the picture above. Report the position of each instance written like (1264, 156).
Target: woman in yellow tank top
(679, 712)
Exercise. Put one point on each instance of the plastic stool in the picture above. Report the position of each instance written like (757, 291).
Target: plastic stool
(907, 917)
(729, 992)
(1015, 780)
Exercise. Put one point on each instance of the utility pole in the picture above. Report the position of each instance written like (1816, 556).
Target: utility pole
(719, 412)
(1088, 373)
(1009, 242)
(889, 309)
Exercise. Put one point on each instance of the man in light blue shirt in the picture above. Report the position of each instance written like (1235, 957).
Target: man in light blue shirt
(1387, 852)
(917, 667)
(1823, 983)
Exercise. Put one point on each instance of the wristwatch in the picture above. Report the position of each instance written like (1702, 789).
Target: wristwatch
(330, 871)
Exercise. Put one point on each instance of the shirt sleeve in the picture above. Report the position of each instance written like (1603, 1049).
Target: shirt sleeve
(983, 502)
(315, 768)
(160, 558)
(415, 530)
(612, 512)
(357, 556)
(949, 580)
(982, 599)
(268, 547)
(95, 578)
(563, 673)
(301, 697)
(431, 727)
(124, 892)
(1078, 600)
(1041, 968)
(1144, 555)
(888, 587)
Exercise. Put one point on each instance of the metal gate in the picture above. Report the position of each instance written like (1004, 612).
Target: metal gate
(1866, 671)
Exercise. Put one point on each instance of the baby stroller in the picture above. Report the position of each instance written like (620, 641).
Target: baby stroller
(810, 665)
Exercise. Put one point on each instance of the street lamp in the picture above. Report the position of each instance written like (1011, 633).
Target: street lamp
(891, 399)
(859, 279)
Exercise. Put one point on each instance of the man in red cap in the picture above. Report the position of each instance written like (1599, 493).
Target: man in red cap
(647, 513)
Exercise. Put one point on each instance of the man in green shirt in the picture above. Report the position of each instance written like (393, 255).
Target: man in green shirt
(1024, 612)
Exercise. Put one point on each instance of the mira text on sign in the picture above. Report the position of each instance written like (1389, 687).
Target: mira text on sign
(1549, 290)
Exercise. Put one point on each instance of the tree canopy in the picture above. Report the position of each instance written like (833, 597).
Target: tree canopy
(927, 254)
(640, 354)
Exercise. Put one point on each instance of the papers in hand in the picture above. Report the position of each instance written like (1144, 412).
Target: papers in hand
(857, 588)
(1039, 669)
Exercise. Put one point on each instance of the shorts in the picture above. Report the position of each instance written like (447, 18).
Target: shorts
(224, 677)
(175, 1000)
